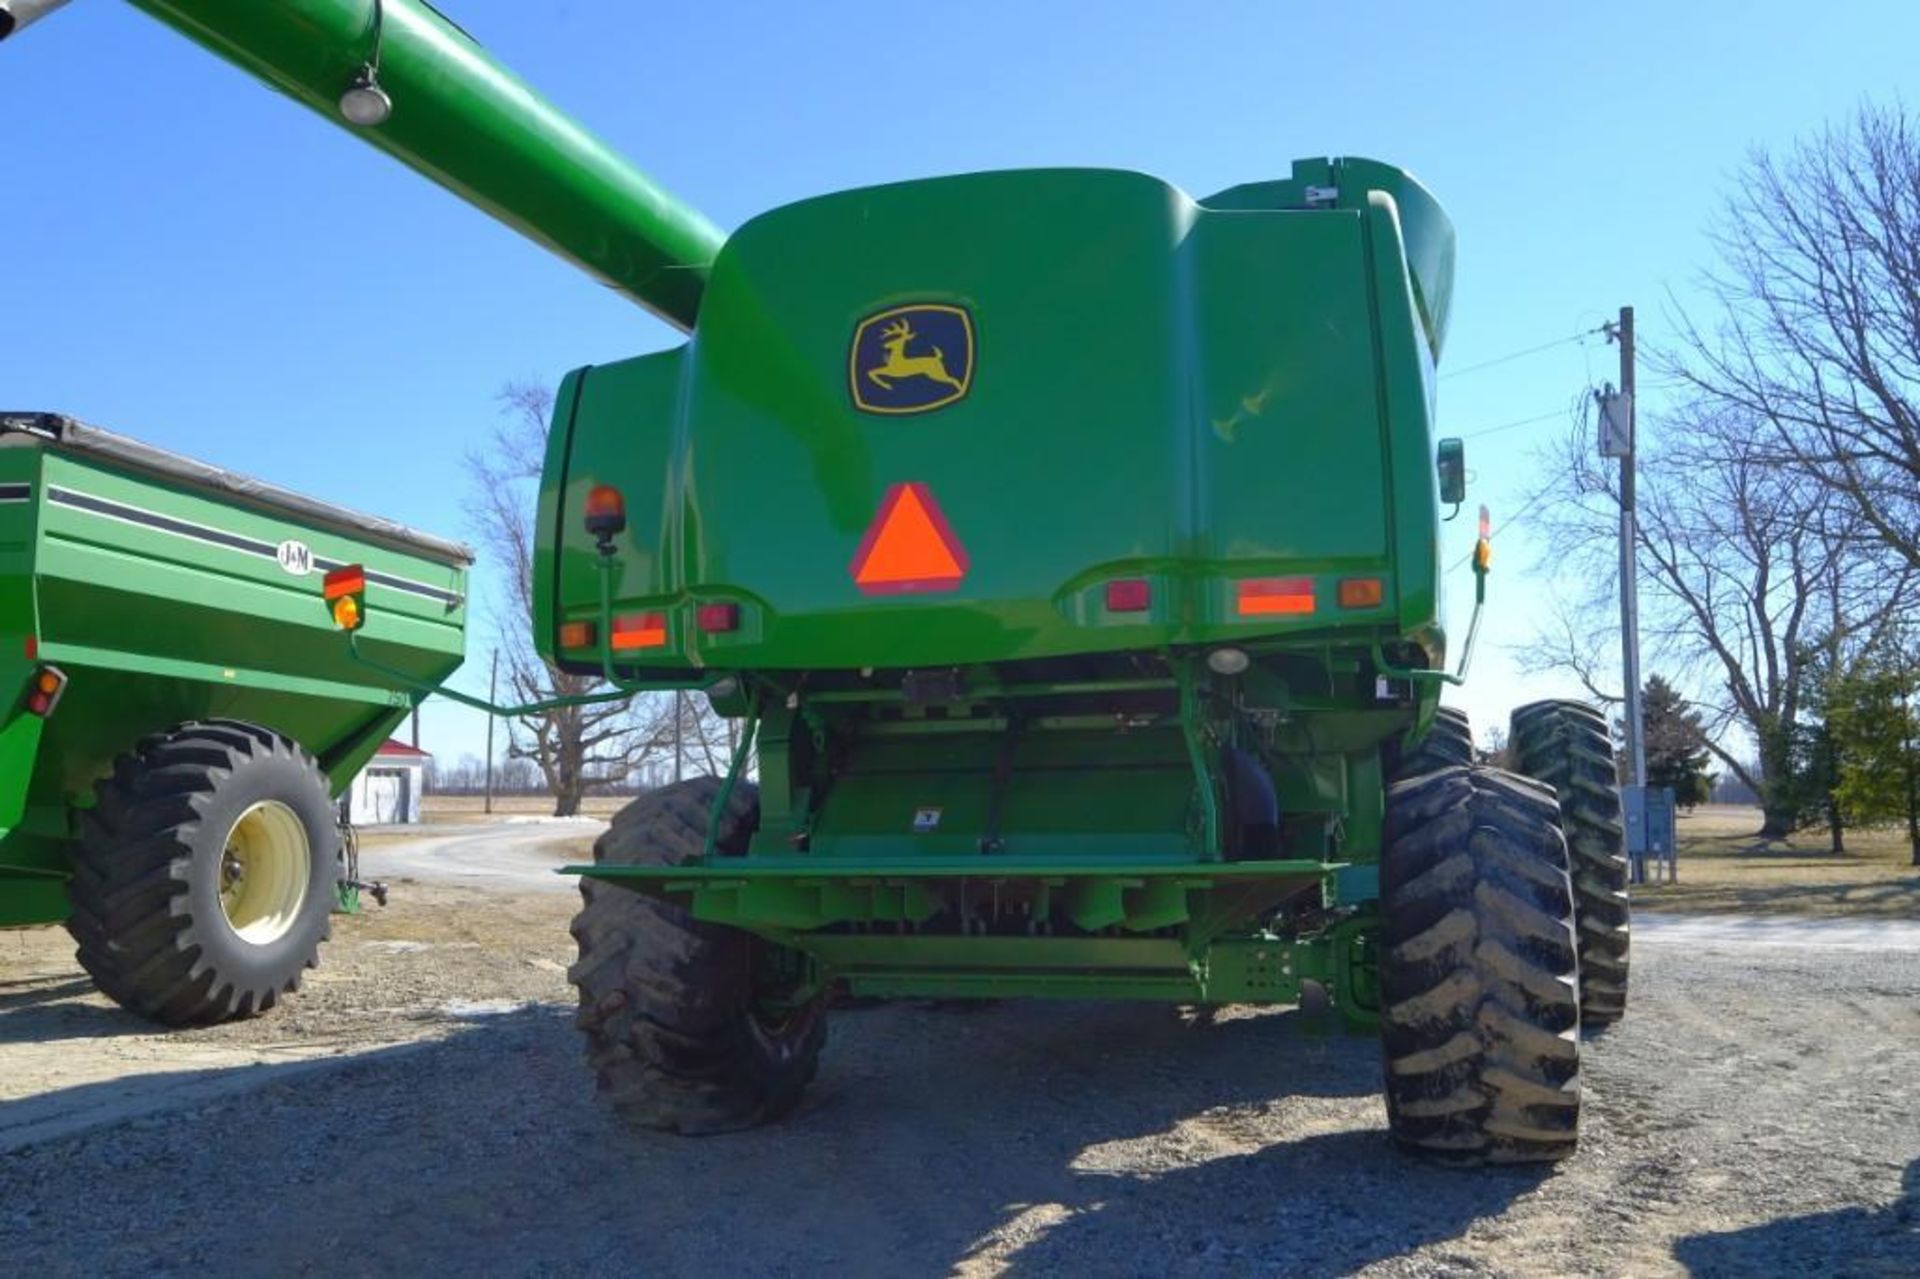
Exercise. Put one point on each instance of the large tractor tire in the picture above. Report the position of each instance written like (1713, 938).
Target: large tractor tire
(205, 873)
(679, 1028)
(1480, 1014)
(1448, 744)
(1567, 746)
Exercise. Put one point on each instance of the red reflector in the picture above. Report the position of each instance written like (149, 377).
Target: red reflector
(1361, 592)
(640, 630)
(715, 619)
(351, 580)
(1129, 595)
(32, 647)
(1267, 596)
(576, 634)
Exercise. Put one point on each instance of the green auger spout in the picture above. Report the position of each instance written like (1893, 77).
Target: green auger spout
(400, 75)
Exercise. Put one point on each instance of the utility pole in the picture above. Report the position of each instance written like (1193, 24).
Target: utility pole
(1618, 440)
(493, 699)
(679, 721)
(1629, 575)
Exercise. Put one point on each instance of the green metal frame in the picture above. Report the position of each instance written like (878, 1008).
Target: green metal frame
(163, 602)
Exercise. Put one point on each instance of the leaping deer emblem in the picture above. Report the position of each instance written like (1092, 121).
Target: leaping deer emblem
(895, 338)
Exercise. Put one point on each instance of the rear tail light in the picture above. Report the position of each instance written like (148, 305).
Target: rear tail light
(640, 630)
(1129, 595)
(1362, 592)
(577, 634)
(43, 693)
(717, 619)
(1276, 596)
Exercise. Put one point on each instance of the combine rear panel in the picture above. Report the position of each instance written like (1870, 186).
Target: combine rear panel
(1050, 529)
(974, 404)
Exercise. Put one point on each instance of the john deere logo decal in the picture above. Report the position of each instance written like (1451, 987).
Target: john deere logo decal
(911, 359)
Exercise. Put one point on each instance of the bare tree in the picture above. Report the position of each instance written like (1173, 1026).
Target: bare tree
(1750, 568)
(1817, 337)
(576, 748)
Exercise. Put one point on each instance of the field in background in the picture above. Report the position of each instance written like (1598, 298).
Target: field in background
(441, 809)
(1726, 868)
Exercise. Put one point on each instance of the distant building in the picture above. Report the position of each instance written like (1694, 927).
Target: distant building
(387, 791)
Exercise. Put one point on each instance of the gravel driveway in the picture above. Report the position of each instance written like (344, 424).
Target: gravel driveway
(1753, 1115)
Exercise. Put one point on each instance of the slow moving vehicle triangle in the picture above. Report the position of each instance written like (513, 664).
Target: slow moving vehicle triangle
(909, 547)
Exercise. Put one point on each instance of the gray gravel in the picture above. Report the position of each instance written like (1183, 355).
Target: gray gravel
(1752, 1116)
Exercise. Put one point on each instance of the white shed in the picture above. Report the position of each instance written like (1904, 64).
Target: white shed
(387, 791)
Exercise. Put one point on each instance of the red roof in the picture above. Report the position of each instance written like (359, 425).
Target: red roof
(391, 748)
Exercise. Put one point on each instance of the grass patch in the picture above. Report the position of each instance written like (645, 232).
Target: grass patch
(1726, 868)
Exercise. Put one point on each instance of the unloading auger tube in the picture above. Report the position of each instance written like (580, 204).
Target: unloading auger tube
(401, 76)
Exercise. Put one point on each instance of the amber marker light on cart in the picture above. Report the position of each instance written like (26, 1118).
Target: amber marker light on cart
(345, 591)
(576, 634)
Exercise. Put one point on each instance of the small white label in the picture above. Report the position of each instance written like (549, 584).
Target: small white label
(926, 819)
(295, 557)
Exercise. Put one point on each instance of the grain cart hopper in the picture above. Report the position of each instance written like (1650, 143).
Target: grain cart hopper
(1067, 552)
(179, 715)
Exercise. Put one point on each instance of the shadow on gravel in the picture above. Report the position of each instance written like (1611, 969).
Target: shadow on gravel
(134, 1099)
(1850, 1241)
(1077, 1138)
(52, 1008)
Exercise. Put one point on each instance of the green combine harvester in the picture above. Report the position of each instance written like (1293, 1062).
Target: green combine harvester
(1068, 550)
(183, 715)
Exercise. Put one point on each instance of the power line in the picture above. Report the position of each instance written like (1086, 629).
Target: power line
(1518, 355)
(1508, 426)
(1505, 524)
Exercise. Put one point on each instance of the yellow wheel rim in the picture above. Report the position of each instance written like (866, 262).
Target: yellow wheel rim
(263, 873)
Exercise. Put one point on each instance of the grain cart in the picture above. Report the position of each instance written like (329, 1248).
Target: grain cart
(179, 714)
(1066, 551)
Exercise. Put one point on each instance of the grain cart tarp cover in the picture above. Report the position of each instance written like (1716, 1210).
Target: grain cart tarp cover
(162, 593)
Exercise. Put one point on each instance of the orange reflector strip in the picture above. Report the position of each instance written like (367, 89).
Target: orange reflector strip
(351, 580)
(909, 547)
(640, 630)
(576, 634)
(1361, 592)
(1267, 596)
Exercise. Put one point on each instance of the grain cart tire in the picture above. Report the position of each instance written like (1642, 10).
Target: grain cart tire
(1567, 746)
(668, 1003)
(1448, 744)
(204, 873)
(1480, 1011)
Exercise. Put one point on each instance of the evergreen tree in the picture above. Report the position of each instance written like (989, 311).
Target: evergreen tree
(1873, 715)
(1677, 755)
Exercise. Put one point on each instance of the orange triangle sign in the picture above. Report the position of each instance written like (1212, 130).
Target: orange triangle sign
(909, 547)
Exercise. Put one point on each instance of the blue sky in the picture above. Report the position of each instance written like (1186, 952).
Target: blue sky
(194, 261)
